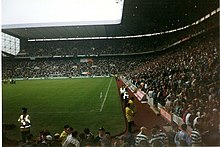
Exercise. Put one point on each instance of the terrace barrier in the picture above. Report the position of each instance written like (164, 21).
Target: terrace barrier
(141, 96)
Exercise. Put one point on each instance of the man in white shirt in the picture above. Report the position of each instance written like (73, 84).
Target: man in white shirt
(122, 91)
(69, 138)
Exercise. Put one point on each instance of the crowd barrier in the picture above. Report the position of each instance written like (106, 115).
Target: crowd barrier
(142, 96)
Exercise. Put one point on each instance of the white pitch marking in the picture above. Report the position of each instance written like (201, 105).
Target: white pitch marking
(105, 96)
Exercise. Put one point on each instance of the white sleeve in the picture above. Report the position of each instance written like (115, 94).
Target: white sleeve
(65, 143)
(19, 119)
(77, 144)
(28, 119)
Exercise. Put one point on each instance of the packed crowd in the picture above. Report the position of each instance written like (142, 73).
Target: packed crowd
(186, 82)
(67, 67)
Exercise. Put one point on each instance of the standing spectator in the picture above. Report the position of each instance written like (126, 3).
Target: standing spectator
(187, 118)
(182, 138)
(68, 138)
(163, 136)
(126, 96)
(71, 139)
(117, 142)
(196, 136)
(56, 142)
(82, 139)
(150, 92)
(25, 124)
(141, 139)
(158, 137)
(39, 138)
(171, 135)
(64, 134)
(155, 140)
(46, 140)
(122, 91)
(100, 136)
(49, 140)
(129, 116)
(89, 137)
(186, 113)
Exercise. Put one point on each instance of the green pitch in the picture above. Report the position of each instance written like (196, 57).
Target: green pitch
(85, 102)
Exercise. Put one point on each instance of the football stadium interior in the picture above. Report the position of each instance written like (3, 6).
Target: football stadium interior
(140, 73)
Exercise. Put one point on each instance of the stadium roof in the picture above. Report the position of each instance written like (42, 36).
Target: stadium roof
(139, 17)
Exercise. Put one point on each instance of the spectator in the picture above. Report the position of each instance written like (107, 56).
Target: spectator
(163, 136)
(182, 138)
(125, 96)
(100, 136)
(72, 139)
(39, 138)
(171, 135)
(89, 137)
(69, 137)
(141, 138)
(64, 134)
(116, 142)
(106, 140)
(196, 136)
(46, 140)
(122, 91)
(56, 142)
(155, 140)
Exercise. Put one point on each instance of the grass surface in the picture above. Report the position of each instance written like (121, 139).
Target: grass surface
(54, 103)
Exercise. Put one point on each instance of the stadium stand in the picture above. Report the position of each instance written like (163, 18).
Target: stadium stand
(184, 76)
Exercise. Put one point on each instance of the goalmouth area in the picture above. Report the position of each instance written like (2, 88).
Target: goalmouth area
(81, 103)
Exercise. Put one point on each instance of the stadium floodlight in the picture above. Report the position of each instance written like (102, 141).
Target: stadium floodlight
(47, 13)
(10, 44)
